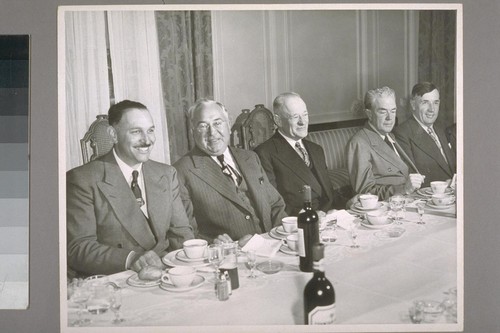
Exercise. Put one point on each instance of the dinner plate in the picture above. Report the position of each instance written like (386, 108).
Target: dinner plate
(197, 281)
(171, 260)
(181, 255)
(286, 250)
(274, 234)
(431, 205)
(134, 281)
(357, 206)
(367, 224)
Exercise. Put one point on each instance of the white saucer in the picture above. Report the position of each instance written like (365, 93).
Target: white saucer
(367, 224)
(427, 191)
(198, 281)
(181, 255)
(134, 281)
(280, 230)
(430, 204)
(286, 250)
(274, 234)
(170, 259)
(357, 206)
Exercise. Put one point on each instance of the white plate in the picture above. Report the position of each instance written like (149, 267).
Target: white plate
(274, 234)
(280, 230)
(367, 224)
(134, 281)
(198, 281)
(181, 255)
(171, 260)
(427, 191)
(286, 250)
(431, 205)
(357, 206)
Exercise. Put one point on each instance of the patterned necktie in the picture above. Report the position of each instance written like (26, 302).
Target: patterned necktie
(303, 153)
(136, 189)
(229, 171)
(436, 141)
(390, 144)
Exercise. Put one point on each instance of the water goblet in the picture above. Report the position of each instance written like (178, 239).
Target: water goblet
(396, 204)
(215, 255)
(115, 305)
(81, 294)
(353, 234)
(251, 261)
(421, 211)
(416, 312)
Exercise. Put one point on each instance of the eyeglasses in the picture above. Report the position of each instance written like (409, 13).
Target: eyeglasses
(203, 127)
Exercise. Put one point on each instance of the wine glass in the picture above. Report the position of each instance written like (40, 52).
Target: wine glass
(396, 203)
(215, 255)
(251, 261)
(421, 211)
(115, 305)
(81, 294)
(353, 234)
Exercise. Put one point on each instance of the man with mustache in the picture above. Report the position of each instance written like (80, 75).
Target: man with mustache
(291, 161)
(124, 211)
(424, 139)
(231, 195)
(376, 162)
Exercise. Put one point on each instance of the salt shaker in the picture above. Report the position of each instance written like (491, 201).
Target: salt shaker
(222, 288)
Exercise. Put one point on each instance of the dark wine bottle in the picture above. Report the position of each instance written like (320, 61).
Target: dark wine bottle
(319, 295)
(308, 232)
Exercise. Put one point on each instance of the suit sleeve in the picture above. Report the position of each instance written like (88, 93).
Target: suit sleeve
(266, 162)
(182, 223)
(85, 253)
(361, 174)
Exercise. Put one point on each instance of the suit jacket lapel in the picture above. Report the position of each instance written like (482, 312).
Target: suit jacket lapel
(324, 182)
(289, 157)
(115, 188)
(383, 150)
(156, 197)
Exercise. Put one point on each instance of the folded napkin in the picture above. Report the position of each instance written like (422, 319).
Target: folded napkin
(263, 247)
(344, 219)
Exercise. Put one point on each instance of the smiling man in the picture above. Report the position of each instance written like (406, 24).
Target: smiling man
(124, 211)
(376, 162)
(231, 195)
(291, 161)
(424, 139)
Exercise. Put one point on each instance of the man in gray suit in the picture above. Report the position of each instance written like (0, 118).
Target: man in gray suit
(424, 139)
(376, 162)
(124, 211)
(231, 195)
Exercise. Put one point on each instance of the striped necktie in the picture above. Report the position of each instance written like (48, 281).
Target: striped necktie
(303, 153)
(229, 171)
(436, 141)
(136, 189)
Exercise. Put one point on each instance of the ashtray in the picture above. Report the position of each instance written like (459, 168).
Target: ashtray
(270, 266)
(394, 232)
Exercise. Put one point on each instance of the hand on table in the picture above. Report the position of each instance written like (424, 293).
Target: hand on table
(414, 182)
(224, 238)
(148, 258)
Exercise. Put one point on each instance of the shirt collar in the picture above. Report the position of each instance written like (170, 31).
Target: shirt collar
(424, 126)
(125, 168)
(291, 141)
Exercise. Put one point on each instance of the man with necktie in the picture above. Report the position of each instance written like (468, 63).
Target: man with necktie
(291, 161)
(231, 195)
(124, 211)
(376, 162)
(424, 139)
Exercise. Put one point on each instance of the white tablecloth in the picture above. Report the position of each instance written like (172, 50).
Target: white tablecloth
(375, 284)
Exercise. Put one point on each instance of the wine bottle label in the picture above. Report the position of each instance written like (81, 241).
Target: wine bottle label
(322, 315)
(301, 250)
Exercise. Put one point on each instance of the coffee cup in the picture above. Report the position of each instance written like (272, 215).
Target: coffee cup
(442, 199)
(368, 201)
(438, 187)
(289, 223)
(291, 242)
(180, 276)
(195, 248)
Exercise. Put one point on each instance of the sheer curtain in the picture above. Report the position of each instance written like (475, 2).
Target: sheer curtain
(86, 72)
(133, 44)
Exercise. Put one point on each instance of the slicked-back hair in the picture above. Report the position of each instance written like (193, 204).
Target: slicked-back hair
(279, 101)
(422, 88)
(116, 111)
(372, 95)
(203, 103)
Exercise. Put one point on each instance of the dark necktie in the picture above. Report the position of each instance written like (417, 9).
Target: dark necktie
(389, 143)
(303, 153)
(136, 189)
(229, 171)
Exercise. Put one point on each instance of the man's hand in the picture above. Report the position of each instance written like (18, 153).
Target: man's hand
(149, 258)
(224, 238)
(414, 182)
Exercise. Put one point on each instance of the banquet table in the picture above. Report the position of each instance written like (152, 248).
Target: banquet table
(375, 284)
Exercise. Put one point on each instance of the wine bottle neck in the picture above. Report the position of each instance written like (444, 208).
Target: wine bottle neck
(319, 268)
(307, 205)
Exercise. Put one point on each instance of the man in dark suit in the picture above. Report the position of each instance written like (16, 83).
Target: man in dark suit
(376, 162)
(424, 139)
(124, 211)
(231, 195)
(291, 161)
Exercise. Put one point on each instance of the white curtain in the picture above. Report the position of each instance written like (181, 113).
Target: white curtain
(135, 62)
(86, 72)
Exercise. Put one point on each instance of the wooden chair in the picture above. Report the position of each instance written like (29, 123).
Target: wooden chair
(252, 128)
(96, 142)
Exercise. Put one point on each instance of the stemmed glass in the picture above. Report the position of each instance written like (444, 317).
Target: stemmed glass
(353, 233)
(215, 255)
(421, 211)
(251, 261)
(115, 305)
(80, 296)
(397, 203)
